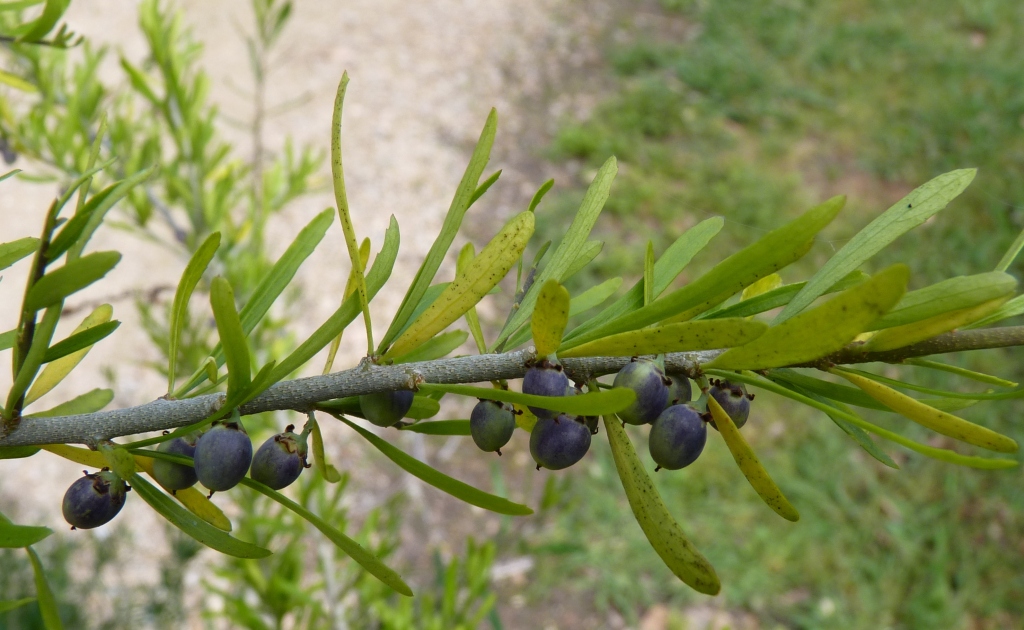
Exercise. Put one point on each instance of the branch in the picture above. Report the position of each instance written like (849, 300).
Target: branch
(302, 394)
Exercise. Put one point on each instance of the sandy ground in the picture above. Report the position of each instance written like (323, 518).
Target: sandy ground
(423, 77)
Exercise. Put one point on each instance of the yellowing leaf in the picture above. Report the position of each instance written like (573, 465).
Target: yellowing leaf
(821, 330)
(764, 285)
(56, 371)
(550, 316)
(750, 465)
(194, 500)
(682, 337)
(470, 286)
(662, 531)
(929, 417)
(900, 336)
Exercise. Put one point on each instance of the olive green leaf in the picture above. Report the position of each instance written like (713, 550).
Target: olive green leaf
(947, 296)
(14, 251)
(17, 452)
(34, 358)
(7, 339)
(450, 227)
(662, 531)
(16, 82)
(587, 254)
(593, 296)
(590, 404)
(959, 371)
(904, 215)
(984, 463)
(851, 395)
(1013, 308)
(326, 470)
(17, 536)
(929, 417)
(69, 278)
(78, 341)
(44, 596)
(479, 277)
(439, 427)
(668, 266)
(101, 203)
(750, 465)
(11, 604)
(440, 346)
(197, 528)
(774, 251)
(900, 336)
(681, 337)
(232, 337)
(821, 330)
(466, 256)
(57, 370)
(350, 287)
(778, 297)
(439, 480)
(539, 195)
(194, 271)
(89, 402)
(762, 286)
(482, 189)
(569, 249)
(550, 315)
(35, 30)
(649, 274)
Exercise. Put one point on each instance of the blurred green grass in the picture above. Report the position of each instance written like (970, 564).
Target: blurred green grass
(755, 111)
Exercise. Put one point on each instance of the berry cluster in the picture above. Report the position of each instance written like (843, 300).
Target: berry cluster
(221, 457)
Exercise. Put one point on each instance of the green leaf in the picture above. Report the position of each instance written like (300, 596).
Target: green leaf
(76, 226)
(348, 311)
(34, 357)
(119, 460)
(197, 528)
(929, 417)
(662, 531)
(587, 254)
(593, 296)
(439, 480)
(681, 337)
(101, 203)
(70, 278)
(569, 249)
(326, 470)
(353, 549)
(900, 336)
(35, 30)
(439, 427)
(17, 536)
(7, 339)
(11, 604)
(440, 346)
(779, 297)
(750, 465)
(16, 82)
(947, 296)
(422, 407)
(774, 251)
(1012, 308)
(589, 404)
(484, 187)
(89, 402)
(959, 371)
(550, 315)
(14, 251)
(985, 463)
(17, 452)
(539, 195)
(232, 337)
(649, 274)
(450, 227)
(479, 277)
(44, 596)
(466, 256)
(821, 330)
(904, 215)
(58, 369)
(429, 297)
(1011, 254)
(854, 396)
(78, 341)
(196, 501)
(194, 271)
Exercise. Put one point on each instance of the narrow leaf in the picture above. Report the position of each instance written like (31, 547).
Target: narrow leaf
(681, 337)
(590, 404)
(89, 402)
(900, 336)
(821, 330)
(539, 195)
(70, 278)
(439, 427)
(7, 339)
(11, 604)
(14, 251)
(17, 536)
(439, 480)
(440, 346)
(194, 271)
(17, 452)
(484, 187)
(662, 531)
(326, 470)
(1012, 308)
(750, 465)
(593, 296)
(44, 596)
(959, 371)
(57, 370)
(649, 274)
(946, 296)
(931, 418)
(422, 407)
(550, 316)
(482, 275)
(232, 337)
(192, 525)
(78, 341)
(35, 30)
(587, 254)
(778, 297)
(764, 285)
(904, 215)
(466, 256)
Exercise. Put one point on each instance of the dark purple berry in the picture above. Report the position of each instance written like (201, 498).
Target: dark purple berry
(176, 476)
(385, 409)
(677, 437)
(280, 459)
(223, 455)
(679, 390)
(648, 381)
(545, 379)
(94, 499)
(559, 442)
(491, 424)
(734, 400)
